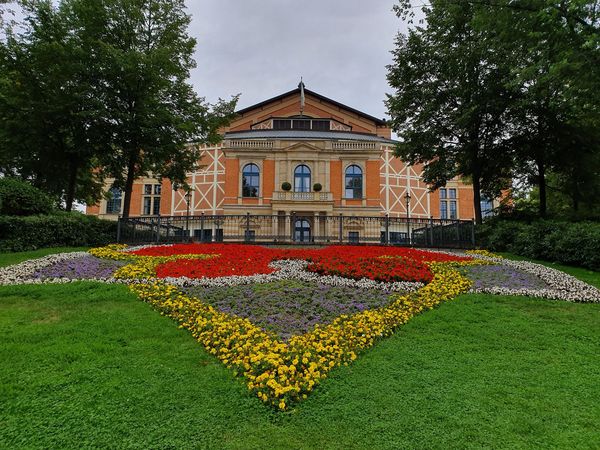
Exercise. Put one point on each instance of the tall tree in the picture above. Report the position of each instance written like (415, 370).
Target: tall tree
(450, 100)
(539, 69)
(48, 107)
(97, 88)
(154, 113)
(555, 67)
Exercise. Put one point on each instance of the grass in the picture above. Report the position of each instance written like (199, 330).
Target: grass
(7, 259)
(589, 276)
(88, 365)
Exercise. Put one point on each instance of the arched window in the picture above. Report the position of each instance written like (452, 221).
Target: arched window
(113, 204)
(250, 180)
(353, 182)
(302, 179)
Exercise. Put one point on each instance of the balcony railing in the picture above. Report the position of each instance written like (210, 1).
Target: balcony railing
(303, 196)
(258, 144)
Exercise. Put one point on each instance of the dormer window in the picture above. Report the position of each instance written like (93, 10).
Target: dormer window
(301, 124)
(282, 124)
(321, 125)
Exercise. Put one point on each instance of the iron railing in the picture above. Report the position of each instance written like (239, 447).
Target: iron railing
(298, 228)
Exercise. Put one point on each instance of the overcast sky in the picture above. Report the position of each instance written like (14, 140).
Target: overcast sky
(261, 48)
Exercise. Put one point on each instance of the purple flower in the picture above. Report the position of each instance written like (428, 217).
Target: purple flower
(290, 307)
(84, 267)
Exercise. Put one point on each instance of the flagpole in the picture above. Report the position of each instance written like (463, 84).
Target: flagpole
(302, 98)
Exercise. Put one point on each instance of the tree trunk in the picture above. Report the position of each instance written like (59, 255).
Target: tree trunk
(72, 183)
(129, 183)
(542, 187)
(575, 195)
(477, 199)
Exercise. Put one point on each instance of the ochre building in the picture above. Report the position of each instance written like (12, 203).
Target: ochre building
(299, 153)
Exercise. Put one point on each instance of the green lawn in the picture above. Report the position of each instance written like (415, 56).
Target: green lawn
(88, 365)
(7, 259)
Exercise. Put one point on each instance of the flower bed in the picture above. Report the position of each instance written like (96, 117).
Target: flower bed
(400, 264)
(81, 267)
(283, 318)
(281, 373)
(290, 307)
(502, 276)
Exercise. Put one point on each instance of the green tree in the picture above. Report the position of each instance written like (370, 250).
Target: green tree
(534, 72)
(48, 106)
(153, 112)
(97, 88)
(450, 99)
(555, 67)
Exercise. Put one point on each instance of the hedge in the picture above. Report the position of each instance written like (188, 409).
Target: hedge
(54, 230)
(19, 198)
(571, 243)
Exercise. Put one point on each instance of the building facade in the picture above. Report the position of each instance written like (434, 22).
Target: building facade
(299, 153)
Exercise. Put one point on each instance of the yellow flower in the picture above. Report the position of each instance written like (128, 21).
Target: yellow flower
(271, 367)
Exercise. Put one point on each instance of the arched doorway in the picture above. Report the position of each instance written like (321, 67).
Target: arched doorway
(302, 230)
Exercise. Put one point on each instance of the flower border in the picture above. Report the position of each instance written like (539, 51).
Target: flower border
(283, 373)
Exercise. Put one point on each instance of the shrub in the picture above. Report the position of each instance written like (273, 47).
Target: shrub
(54, 230)
(286, 186)
(317, 187)
(576, 244)
(19, 198)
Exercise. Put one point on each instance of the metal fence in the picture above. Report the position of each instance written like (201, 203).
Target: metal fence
(298, 229)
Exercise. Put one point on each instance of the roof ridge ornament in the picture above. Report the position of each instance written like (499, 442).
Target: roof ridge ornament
(302, 97)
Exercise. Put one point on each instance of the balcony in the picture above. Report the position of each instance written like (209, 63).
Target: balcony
(289, 196)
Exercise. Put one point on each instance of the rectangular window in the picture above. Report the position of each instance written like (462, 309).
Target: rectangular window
(113, 204)
(353, 237)
(487, 207)
(448, 205)
(301, 124)
(250, 185)
(354, 187)
(147, 205)
(280, 124)
(321, 125)
(443, 210)
(151, 199)
(453, 209)
(302, 184)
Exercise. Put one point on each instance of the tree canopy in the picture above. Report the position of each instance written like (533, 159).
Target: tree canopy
(493, 90)
(99, 88)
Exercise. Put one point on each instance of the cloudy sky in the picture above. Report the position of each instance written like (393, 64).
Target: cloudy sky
(261, 48)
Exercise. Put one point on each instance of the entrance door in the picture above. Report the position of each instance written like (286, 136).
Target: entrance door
(302, 230)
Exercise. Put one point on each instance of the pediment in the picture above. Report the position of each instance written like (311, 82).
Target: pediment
(302, 147)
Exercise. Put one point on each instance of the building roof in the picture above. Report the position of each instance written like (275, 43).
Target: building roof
(306, 134)
(379, 122)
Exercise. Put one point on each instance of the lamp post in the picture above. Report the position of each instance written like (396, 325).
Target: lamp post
(407, 198)
(188, 196)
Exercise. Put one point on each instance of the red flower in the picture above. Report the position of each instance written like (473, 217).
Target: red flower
(401, 264)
